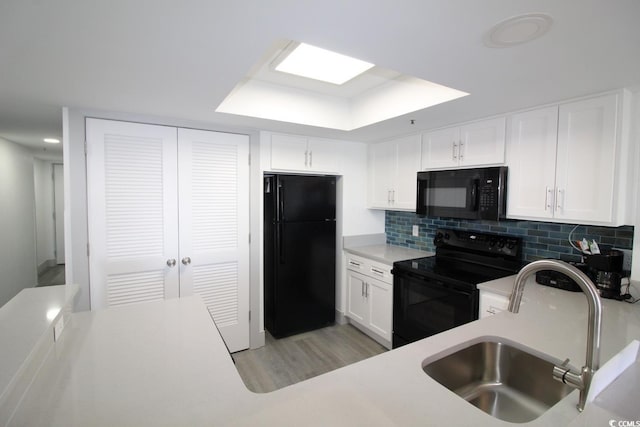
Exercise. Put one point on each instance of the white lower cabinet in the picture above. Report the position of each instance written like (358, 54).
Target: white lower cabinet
(370, 298)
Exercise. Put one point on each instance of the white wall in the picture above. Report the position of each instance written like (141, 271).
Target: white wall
(17, 235)
(45, 231)
(635, 141)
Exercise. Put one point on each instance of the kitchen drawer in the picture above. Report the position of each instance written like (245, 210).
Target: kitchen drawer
(359, 264)
(369, 268)
(380, 271)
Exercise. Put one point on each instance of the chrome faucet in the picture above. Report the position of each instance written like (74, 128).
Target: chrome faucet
(581, 380)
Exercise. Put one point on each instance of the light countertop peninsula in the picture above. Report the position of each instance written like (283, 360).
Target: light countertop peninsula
(164, 364)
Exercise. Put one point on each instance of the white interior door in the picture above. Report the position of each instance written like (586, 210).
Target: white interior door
(58, 209)
(214, 227)
(132, 209)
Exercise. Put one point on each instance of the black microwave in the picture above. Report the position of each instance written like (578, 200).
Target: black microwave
(463, 193)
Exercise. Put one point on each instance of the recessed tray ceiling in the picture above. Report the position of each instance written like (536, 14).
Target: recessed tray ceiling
(374, 96)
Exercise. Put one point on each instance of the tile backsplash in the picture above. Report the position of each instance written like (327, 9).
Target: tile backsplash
(540, 239)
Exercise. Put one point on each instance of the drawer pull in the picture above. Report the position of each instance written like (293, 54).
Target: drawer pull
(355, 264)
(377, 271)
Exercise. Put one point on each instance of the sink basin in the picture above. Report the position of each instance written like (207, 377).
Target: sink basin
(506, 382)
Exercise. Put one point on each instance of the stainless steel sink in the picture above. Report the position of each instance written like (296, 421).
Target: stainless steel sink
(506, 382)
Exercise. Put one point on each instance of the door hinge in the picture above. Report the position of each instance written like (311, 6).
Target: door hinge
(249, 315)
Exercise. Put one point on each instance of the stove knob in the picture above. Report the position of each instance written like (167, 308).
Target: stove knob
(511, 244)
(492, 243)
(446, 236)
(501, 244)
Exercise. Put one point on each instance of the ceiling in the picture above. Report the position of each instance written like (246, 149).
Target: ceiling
(181, 59)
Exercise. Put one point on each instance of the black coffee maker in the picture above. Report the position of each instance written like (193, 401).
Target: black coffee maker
(605, 270)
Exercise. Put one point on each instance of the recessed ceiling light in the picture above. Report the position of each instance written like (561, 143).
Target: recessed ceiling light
(52, 140)
(321, 64)
(518, 30)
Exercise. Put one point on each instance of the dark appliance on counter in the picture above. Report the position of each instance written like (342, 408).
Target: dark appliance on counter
(555, 279)
(299, 253)
(463, 193)
(434, 294)
(604, 270)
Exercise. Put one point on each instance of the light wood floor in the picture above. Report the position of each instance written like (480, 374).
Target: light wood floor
(52, 276)
(293, 359)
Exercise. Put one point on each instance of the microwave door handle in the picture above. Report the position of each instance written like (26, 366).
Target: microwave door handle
(474, 195)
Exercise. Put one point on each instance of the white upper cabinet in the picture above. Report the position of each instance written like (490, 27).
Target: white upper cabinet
(586, 162)
(440, 149)
(563, 162)
(299, 153)
(482, 143)
(393, 167)
(381, 174)
(474, 144)
(531, 158)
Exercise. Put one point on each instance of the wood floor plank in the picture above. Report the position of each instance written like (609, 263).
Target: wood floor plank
(286, 361)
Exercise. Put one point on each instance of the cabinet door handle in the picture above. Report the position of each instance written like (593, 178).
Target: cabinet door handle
(186, 260)
(306, 158)
(366, 290)
(362, 289)
(171, 262)
(389, 196)
(453, 151)
(460, 150)
(548, 199)
(559, 192)
(311, 158)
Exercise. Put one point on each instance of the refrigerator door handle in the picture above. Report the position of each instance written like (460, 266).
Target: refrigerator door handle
(279, 242)
(280, 203)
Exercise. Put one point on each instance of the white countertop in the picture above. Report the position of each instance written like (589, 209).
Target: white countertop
(387, 254)
(164, 364)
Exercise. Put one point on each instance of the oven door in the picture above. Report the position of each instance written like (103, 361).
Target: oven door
(425, 306)
(452, 194)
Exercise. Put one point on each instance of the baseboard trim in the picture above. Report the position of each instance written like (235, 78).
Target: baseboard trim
(257, 340)
(383, 342)
(341, 319)
(46, 265)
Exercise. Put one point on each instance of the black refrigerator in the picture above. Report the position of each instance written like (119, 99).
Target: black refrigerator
(299, 253)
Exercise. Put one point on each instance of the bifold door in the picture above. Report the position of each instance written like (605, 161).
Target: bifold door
(168, 217)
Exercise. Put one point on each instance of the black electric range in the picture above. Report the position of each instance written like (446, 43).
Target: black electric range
(434, 294)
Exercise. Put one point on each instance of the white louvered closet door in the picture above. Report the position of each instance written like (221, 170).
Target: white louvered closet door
(132, 206)
(214, 227)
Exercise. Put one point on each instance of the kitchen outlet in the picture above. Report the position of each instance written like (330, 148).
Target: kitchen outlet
(416, 231)
(626, 262)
